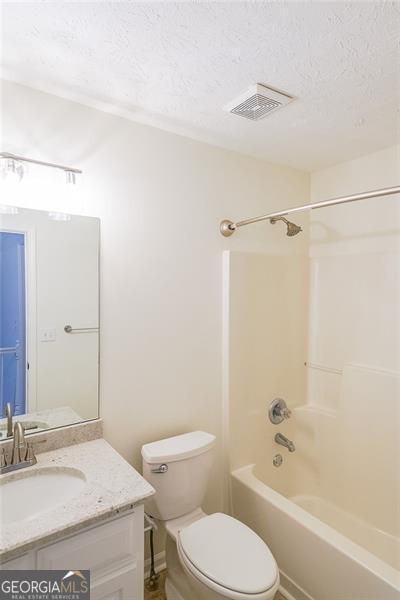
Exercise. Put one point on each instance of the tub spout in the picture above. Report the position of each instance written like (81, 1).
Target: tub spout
(283, 441)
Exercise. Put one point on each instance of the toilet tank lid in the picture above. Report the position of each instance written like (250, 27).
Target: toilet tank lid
(178, 447)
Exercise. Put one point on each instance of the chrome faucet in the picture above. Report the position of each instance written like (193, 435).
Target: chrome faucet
(282, 440)
(19, 445)
(9, 416)
(22, 454)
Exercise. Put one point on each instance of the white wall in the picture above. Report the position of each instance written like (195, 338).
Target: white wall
(160, 198)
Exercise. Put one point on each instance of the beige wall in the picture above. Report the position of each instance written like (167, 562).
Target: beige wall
(160, 198)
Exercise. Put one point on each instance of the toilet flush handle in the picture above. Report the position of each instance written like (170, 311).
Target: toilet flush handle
(161, 469)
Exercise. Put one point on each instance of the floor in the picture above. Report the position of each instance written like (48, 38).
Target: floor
(159, 594)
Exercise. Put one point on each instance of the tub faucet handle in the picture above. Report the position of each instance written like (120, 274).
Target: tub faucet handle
(278, 411)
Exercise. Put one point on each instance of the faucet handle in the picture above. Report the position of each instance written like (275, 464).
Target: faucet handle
(30, 449)
(3, 460)
(30, 453)
(278, 411)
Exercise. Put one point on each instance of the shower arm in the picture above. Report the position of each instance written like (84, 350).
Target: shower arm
(227, 228)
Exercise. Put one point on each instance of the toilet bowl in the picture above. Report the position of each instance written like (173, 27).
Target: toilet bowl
(223, 558)
(209, 557)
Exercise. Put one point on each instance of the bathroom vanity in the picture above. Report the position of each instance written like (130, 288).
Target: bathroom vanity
(113, 552)
(80, 507)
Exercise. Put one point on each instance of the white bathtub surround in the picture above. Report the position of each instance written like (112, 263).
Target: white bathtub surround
(265, 346)
(111, 486)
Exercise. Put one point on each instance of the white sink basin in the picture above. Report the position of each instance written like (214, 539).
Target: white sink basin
(31, 493)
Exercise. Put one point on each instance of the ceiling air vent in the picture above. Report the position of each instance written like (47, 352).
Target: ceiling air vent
(257, 102)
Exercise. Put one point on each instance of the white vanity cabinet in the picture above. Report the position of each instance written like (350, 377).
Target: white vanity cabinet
(113, 552)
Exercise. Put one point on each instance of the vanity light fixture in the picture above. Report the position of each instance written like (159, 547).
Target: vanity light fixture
(14, 164)
(59, 216)
(8, 210)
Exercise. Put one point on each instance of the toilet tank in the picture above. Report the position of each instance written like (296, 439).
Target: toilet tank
(178, 468)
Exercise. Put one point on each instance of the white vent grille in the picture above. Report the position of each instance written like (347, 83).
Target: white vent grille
(255, 107)
(258, 102)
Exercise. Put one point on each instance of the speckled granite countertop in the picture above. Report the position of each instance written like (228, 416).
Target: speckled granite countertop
(112, 486)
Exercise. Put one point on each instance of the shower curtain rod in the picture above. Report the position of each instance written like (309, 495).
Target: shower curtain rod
(227, 228)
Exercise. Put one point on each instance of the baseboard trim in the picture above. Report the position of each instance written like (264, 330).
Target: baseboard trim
(159, 564)
(291, 590)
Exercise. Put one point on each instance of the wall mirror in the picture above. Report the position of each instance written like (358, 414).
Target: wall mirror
(49, 318)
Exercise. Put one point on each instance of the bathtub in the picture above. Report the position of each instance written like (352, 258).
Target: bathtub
(323, 553)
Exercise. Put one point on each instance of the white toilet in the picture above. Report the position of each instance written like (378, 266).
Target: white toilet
(209, 557)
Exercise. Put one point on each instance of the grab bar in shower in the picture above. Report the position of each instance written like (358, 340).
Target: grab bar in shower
(311, 365)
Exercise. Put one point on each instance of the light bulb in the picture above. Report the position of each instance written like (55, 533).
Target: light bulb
(11, 170)
(59, 216)
(70, 177)
(8, 210)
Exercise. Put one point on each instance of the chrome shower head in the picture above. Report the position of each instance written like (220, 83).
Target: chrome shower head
(292, 228)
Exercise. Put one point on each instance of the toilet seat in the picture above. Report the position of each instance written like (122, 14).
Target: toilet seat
(228, 557)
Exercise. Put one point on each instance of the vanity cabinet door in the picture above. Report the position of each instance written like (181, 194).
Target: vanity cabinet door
(113, 553)
(116, 545)
(122, 587)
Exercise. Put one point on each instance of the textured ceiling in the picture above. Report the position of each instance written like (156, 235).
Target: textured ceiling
(174, 65)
